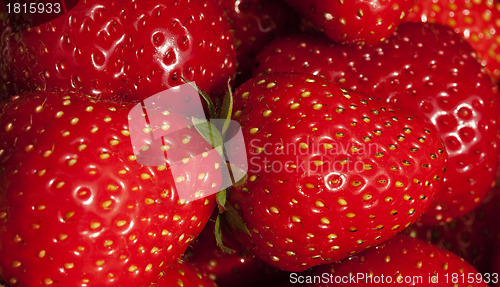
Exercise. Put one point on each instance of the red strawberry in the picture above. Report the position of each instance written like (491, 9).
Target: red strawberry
(330, 172)
(182, 274)
(428, 70)
(77, 209)
(124, 48)
(476, 20)
(401, 261)
(351, 22)
(471, 236)
(254, 23)
(240, 268)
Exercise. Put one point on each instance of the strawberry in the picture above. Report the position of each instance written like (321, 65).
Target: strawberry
(401, 261)
(476, 21)
(355, 22)
(236, 266)
(182, 274)
(471, 236)
(330, 172)
(253, 24)
(428, 70)
(121, 48)
(76, 207)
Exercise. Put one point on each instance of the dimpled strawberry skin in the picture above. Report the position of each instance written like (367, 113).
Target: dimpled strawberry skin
(476, 21)
(355, 22)
(76, 208)
(330, 172)
(182, 274)
(427, 70)
(127, 48)
(410, 261)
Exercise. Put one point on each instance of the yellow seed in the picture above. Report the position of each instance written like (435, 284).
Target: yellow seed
(342, 201)
(99, 262)
(274, 210)
(317, 106)
(95, 225)
(306, 94)
(310, 185)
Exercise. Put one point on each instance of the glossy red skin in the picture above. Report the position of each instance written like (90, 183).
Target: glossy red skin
(476, 21)
(402, 256)
(427, 70)
(45, 224)
(355, 198)
(355, 21)
(240, 268)
(123, 49)
(183, 274)
(471, 236)
(253, 24)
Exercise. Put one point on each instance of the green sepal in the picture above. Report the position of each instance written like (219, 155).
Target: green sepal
(204, 96)
(210, 133)
(235, 220)
(221, 200)
(227, 108)
(218, 235)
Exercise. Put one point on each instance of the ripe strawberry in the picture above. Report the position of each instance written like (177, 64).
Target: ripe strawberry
(124, 48)
(402, 261)
(240, 268)
(330, 172)
(77, 209)
(182, 274)
(254, 23)
(352, 22)
(471, 236)
(426, 69)
(476, 21)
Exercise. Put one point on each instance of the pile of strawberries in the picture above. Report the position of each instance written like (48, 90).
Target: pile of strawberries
(371, 128)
